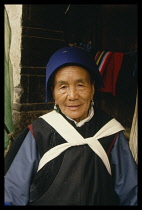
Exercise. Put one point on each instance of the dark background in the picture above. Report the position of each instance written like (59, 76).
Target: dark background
(48, 27)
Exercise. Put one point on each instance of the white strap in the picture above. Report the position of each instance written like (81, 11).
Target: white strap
(73, 138)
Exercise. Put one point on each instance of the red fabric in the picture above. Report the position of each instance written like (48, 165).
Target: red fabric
(104, 62)
(31, 129)
(111, 146)
(110, 73)
(97, 55)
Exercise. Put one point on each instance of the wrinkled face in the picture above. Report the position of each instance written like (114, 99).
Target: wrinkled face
(73, 91)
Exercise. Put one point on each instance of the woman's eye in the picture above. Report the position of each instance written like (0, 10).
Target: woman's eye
(80, 85)
(63, 87)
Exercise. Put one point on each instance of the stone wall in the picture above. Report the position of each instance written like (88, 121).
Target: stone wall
(34, 39)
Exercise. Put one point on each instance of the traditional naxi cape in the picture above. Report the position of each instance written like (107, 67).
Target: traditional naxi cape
(70, 165)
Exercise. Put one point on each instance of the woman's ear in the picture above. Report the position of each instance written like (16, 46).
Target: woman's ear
(93, 88)
(52, 91)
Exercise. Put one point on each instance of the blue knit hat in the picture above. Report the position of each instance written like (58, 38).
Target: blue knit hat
(71, 56)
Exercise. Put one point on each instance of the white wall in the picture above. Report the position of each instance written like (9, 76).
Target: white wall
(15, 16)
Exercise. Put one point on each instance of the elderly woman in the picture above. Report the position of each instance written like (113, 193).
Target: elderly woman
(75, 154)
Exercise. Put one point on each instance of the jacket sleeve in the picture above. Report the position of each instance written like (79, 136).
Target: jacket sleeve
(124, 172)
(18, 175)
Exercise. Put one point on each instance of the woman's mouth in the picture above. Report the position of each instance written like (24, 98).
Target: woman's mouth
(74, 107)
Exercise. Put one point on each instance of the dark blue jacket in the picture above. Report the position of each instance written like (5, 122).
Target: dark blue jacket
(76, 177)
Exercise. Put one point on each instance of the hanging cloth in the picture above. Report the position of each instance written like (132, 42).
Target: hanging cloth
(73, 138)
(109, 64)
(133, 141)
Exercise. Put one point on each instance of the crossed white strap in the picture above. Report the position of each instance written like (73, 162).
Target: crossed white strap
(73, 138)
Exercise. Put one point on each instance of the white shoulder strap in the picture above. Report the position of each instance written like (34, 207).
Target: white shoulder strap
(73, 138)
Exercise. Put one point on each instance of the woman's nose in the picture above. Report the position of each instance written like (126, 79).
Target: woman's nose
(72, 94)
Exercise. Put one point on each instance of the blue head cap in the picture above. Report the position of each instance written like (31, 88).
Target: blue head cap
(71, 56)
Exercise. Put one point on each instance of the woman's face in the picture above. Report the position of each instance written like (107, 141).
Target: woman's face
(73, 92)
